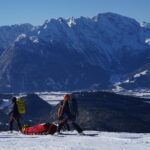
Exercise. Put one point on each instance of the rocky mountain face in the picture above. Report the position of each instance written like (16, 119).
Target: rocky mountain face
(75, 53)
(37, 110)
(8, 34)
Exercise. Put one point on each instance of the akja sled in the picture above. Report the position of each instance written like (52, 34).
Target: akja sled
(40, 129)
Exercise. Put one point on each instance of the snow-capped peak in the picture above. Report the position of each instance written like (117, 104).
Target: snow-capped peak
(71, 21)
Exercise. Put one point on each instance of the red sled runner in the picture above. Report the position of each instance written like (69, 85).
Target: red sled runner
(40, 129)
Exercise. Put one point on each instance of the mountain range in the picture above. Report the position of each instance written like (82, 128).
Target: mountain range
(75, 53)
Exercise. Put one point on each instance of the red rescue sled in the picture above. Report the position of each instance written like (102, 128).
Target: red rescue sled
(41, 129)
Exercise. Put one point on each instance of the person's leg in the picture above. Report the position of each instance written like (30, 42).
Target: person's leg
(76, 126)
(61, 124)
(19, 124)
(11, 123)
(67, 126)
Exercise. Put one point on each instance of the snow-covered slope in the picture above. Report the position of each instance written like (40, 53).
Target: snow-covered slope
(72, 141)
(136, 81)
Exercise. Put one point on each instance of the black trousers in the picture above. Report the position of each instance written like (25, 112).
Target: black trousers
(11, 121)
(66, 127)
(74, 124)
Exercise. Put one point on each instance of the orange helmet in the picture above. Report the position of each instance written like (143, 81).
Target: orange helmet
(66, 97)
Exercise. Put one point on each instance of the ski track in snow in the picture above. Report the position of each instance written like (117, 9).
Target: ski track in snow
(73, 141)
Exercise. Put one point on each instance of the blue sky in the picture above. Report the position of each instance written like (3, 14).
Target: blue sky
(37, 11)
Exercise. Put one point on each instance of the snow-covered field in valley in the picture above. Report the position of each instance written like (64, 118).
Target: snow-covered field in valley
(73, 141)
(52, 98)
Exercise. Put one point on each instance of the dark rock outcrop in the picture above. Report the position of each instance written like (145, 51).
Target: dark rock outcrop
(37, 110)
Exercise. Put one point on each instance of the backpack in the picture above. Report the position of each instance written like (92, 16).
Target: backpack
(21, 105)
(73, 106)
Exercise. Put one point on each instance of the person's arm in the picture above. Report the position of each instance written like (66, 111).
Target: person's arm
(59, 112)
(63, 109)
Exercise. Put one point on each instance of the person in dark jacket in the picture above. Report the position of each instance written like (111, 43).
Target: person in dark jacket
(70, 117)
(63, 119)
(14, 115)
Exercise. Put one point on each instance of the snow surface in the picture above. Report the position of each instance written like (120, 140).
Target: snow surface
(117, 88)
(147, 41)
(20, 37)
(73, 141)
(71, 21)
(143, 93)
(34, 39)
(5, 103)
(145, 25)
(140, 74)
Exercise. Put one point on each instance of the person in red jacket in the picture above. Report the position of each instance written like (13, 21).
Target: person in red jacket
(14, 115)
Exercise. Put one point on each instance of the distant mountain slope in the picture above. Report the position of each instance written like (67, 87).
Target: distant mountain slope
(140, 79)
(74, 53)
